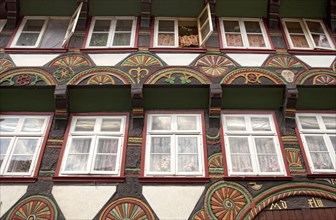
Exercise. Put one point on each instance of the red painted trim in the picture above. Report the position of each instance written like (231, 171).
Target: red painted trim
(226, 173)
(87, 30)
(174, 179)
(152, 23)
(144, 139)
(14, 33)
(177, 50)
(321, 175)
(91, 177)
(311, 52)
(246, 50)
(109, 50)
(137, 29)
(88, 178)
(282, 29)
(17, 179)
(35, 50)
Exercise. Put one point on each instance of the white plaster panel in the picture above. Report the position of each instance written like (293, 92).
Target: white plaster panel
(32, 59)
(177, 59)
(82, 202)
(108, 59)
(9, 195)
(173, 202)
(317, 61)
(248, 59)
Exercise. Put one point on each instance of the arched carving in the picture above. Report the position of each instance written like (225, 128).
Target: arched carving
(71, 60)
(142, 59)
(27, 76)
(316, 77)
(284, 61)
(214, 65)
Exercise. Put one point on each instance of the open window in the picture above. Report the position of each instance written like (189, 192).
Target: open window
(252, 145)
(307, 34)
(183, 32)
(318, 136)
(45, 32)
(244, 33)
(94, 146)
(111, 32)
(20, 143)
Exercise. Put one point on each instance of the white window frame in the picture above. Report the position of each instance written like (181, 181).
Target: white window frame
(17, 134)
(174, 133)
(94, 136)
(2, 24)
(243, 32)
(250, 135)
(72, 25)
(307, 34)
(112, 31)
(208, 21)
(322, 132)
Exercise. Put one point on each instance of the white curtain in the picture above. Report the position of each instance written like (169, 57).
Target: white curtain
(106, 157)
(187, 154)
(160, 153)
(319, 152)
(78, 155)
(240, 154)
(267, 156)
(8, 124)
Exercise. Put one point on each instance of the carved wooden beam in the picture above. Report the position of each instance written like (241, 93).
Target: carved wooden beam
(13, 12)
(289, 107)
(137, 101)
(215, 100)
(84, 15)
(273, 14)
(61, 102)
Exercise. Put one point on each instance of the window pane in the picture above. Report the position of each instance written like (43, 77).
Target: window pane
(265, 145)
(160, 162)
(102, 25)
(322, 161)
(4, 143)
(204, 17)
(124, 25)
(333, 142)
(161, 123)
(98, 39)
(235, 123)
(187, 145)
(231, 26)
(111, 125)
(20, 164)
(105, 163)
(25, 146)
(294, 27)
(166, 26)
(186, 123)
(54, 33)
(252, 27)
(122, 39)
(80, 145)
(299, 41)
(260, 124)
(308, 122)
(314, 27)
(27, 39)
(256, 40)
(107, 145)
(205, 31)
(329, 122)
(234, 40)
(8, 124)
(316, 143)
(33, 124)
(188, 163)
(321, 40)
(166, 39)
(33, 25)
(239, 145)
(85, 124)
(268, 163)
(241, 163)
(76, 162)
(160, 145)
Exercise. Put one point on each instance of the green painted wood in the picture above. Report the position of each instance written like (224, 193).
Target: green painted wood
(99, 99)
(316, 99)
(242, 8)
(304, 8)
(176, 98)
(27, 99)
(176, 8)
(252, 98)
(47, 7)
(115, 7)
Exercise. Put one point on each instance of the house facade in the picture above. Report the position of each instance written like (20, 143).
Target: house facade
(156, 109)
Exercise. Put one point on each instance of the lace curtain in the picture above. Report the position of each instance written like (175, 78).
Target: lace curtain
(78, 155)
(106, 156)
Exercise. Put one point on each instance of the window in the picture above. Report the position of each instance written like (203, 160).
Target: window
(94, 145)
(174, 145)
(2, 24)
(20, 143)
(112, 32)
(45, 32)
(318, 135)
(244, 33)
(252, 145)
(307, 34)
(183, 32)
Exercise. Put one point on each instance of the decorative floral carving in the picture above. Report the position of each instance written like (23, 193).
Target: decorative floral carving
(63, 73)
(214, 65)
(24, 79)
(324, 80)
(101, 79)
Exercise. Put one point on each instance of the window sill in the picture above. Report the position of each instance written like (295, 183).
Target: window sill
(321, 175)
(257, 177)
(11, 179)
(89, 179)
(36, 50)
(177, 50)
(174, 179)
(311, 52)
(108, 50)
(244, 50)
